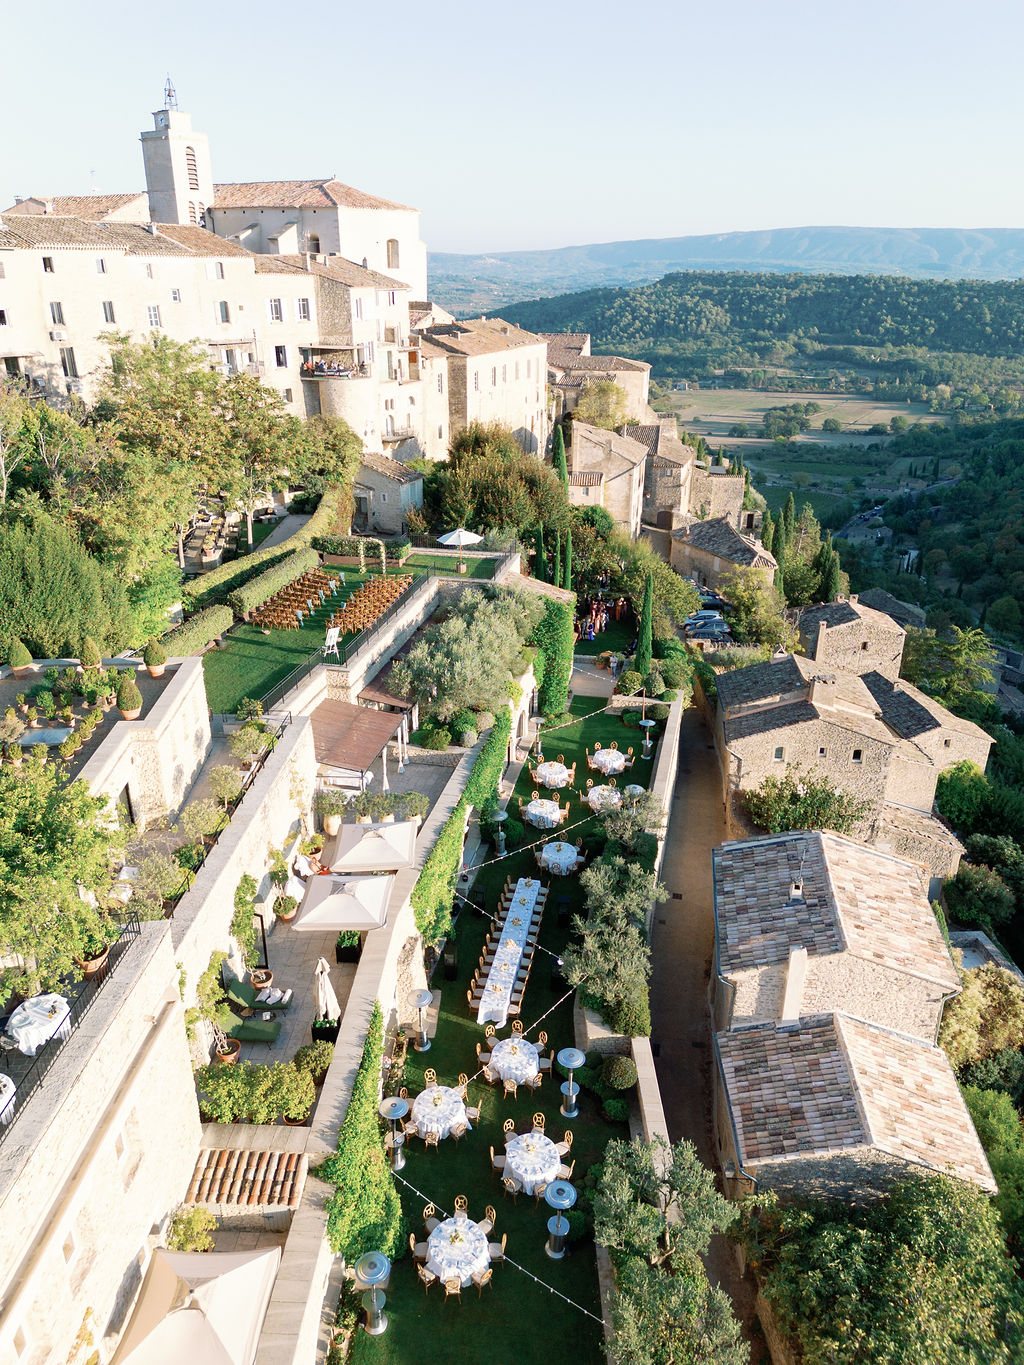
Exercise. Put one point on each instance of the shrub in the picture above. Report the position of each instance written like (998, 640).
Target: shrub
(631, 1016)
(264, 586)
(999, 1127)
(247, 743)
(249, 709)
(1003, 1070)
(629, 683)
(159, 879)
(986, 1018)
(250, 1092)
(462, 721)
(616, 1110)
(429, 737)
(619, 1072)
(129, 698)
(468, 738)
(398, 547)
(794, 802)
(314, 1058)
(960, 793)
(225, 783)
(553, 636)
(198, 631)
(482, 784)
(243, 922)
(90, 655)
(676, 672)
(669, 695)
(654, 684)
(484, 721)
(189, 857)
(514, 831)
(18, 656)
(154, 654)
(191, 1229)
(631, 719)
(201, 819)
(977, 895)
(657, 712)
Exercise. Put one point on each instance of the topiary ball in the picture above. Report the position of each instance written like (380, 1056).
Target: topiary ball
(619, 1072)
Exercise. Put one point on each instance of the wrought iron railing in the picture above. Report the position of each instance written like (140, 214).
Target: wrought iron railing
(28, 1074)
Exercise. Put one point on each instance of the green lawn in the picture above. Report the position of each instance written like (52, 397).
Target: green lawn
(516, 1319)
(476, 565)
(251, 662)
(618, 637)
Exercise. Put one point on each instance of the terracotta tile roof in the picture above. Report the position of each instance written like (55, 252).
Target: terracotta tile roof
(248, 1177)
(586, 478)
(855, 899)
(833, 1085)
(911, 712)
(717, 536)
(200, 240)
(600, 363)
(93, 206)
(391, 469)
(35, 231)
(479, 336)
(297, 194)
(903, 613)
(338, 268)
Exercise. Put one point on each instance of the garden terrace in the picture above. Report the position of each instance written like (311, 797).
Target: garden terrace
(524, 1317)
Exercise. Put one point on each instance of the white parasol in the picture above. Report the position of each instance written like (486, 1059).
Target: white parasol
(327, 1006)
(459, 538)
(335, 903)
(372, 848)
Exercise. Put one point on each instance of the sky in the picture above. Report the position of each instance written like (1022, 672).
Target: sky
(537, 125)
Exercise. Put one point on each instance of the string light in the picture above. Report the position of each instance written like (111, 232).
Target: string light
(506, 1261)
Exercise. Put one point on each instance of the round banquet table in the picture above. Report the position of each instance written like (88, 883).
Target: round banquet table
(609, 761)
(437, 1108)
(7, 1092)
(514, 1059)
(559, 857)
(465, 1256)
(533, 1159)
(602, 798)
(553, 775)
(37, 1021)
(543, 814)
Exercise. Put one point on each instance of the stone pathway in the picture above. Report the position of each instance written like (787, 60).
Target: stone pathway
(285, 528)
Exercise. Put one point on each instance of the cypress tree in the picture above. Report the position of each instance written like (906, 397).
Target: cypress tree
(557, 579)
(567, 571)
(831, 584)
(558, 457)
(540, 562)
(780, 582)
(779, 539)
(789, 517)
(767, 530)
(645, 634)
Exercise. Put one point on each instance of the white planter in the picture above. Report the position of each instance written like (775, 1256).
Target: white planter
(332, 823)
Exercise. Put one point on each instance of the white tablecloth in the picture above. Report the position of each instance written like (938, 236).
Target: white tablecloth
(543, 814)
(431, 1117)
(501, 977)
(609, 761)
(634, 789)
(553, 775)
(533, 1159)
(514, 1059)
(7, 1093)
(464, 1257)
(559, 857)
(37, 1021)
(601, 798)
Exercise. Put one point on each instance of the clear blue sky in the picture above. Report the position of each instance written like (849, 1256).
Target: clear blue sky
(534, 124)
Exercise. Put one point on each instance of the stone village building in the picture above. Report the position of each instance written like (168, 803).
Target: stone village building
(830, 978)
(708, 551)
(607, 470)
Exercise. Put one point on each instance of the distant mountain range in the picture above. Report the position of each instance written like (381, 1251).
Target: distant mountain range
(469, 284)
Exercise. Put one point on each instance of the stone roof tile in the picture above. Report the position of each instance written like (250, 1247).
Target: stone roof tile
(297, 194)
(717, 536)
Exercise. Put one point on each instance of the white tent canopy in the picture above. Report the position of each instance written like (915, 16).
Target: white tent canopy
(372, 848)
(203, 1307)
(335, 903)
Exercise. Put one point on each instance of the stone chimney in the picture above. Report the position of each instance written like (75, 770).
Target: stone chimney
(823, 690)
(792, 996)
(822, 627)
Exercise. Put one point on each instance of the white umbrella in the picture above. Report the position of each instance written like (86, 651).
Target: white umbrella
(372, 848)
(327, 1006)
(461, 539)
(335, 903)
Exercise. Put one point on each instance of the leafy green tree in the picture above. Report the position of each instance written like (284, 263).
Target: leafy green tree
(259, 435)
(831, 585)
(789, 517)
(767, 530)
(540, 563)
(961, 793)
(952, 667)
(978, 895)
(832, 424)
(642, 663)
(985, 1018)
(557, 578)
(603, 404)
(558, 457)
(489, 483)
(1004, 615)
(999, 1127)
(757, 612)
(795, 802)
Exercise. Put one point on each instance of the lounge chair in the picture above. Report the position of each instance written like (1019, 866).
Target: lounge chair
(256, 1030)
(243, 995)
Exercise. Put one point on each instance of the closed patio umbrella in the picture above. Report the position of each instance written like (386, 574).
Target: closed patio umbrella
(327, 1006)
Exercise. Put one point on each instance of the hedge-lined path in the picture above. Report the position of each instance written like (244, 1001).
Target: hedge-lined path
(682, 945)
(286, 528)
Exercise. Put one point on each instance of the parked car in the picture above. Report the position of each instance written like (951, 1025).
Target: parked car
(712, 600)
(709, 630)
(699, 616)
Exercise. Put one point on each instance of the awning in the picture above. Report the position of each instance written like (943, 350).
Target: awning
(351, 737)
(332, 904)
(206, 1307)
(371, 848)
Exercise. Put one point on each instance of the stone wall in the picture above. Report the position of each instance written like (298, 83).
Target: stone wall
(114, 1126)
(158, 757)
(867, 645)
(778, 1343)
(716, 495)
(752, 758)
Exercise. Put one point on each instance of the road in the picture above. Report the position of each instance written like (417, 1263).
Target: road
(682, 944)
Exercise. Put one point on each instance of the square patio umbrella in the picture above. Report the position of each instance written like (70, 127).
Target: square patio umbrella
(335, 903)
(372, 848)
(327, 1006)
(461, 538)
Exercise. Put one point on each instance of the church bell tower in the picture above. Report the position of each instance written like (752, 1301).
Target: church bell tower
(177, 160)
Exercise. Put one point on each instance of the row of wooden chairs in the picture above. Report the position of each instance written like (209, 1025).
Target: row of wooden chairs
(370, 601)
(285, 610)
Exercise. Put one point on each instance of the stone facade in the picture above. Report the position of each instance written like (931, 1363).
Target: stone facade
(856, 638)
(385, 491)
(571, 369)
(620, 461)
(709, 551)
(717, 493)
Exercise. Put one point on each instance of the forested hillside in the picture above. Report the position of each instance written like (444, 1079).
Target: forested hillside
(690, 324)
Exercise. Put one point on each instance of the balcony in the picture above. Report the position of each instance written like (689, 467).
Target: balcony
(323, 370)
(398, 434)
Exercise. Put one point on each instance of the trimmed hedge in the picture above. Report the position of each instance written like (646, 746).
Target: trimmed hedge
(264, 586)
(554, 638)
(434, 891)
(364, 1211)
(490, 764)
(338, 545)
(215, 585)
(198, 631)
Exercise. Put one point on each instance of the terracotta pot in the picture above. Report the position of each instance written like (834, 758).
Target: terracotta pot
(131, 715)
(295, 1123)
(156, 670)
(231, 1057)
(92, 966)
(262, 978)
(287, 919)
(22, 671)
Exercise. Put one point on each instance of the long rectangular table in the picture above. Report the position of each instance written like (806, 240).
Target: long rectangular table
(501, 978)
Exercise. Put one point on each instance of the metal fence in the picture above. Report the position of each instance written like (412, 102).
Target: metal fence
(29, 1073)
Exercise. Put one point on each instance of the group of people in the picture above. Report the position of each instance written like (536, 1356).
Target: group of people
(330, 367)
(596, 612)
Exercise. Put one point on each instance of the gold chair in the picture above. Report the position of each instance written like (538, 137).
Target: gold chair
(426, 1277)
(538, 1193)
(497, 1162)
(614, 744)
(486, 1224)
(480, 1278)
(489, 1076)
(517, 1026)
(463, 1082)
(534, 1082)
(496, 1250)
(430, 1220)
(419, 1249)
(542, 1040)
(512, 1186)
(461, 1204)
(431, 1139)
(489, 1031)
(597, 748)
(458, 1131)
(538, 1122)
(561, 759)
(404, 1092)
(453, 1289)
(430, 1076)
(509, 1129)
(565, 1172)
(510, 1088)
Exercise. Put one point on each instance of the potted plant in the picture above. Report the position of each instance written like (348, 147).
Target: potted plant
(325, 1030)
(297, 1093)
(248, 743)
(212, 1005)
(191, 1229)
(225, 783)
(201, 820)
(94, 955)
(12, 727)
(314, 1059)
(278, 866)
(19, 658)
(413, 806)
(362, 807)
(32, 716)
(67, 715)
(90, 656)
(330, 805)
(286, 908)
(129, 698)
(159, 879)
(21, 701)
(154, 656)
(348, 946)
(382, 809)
